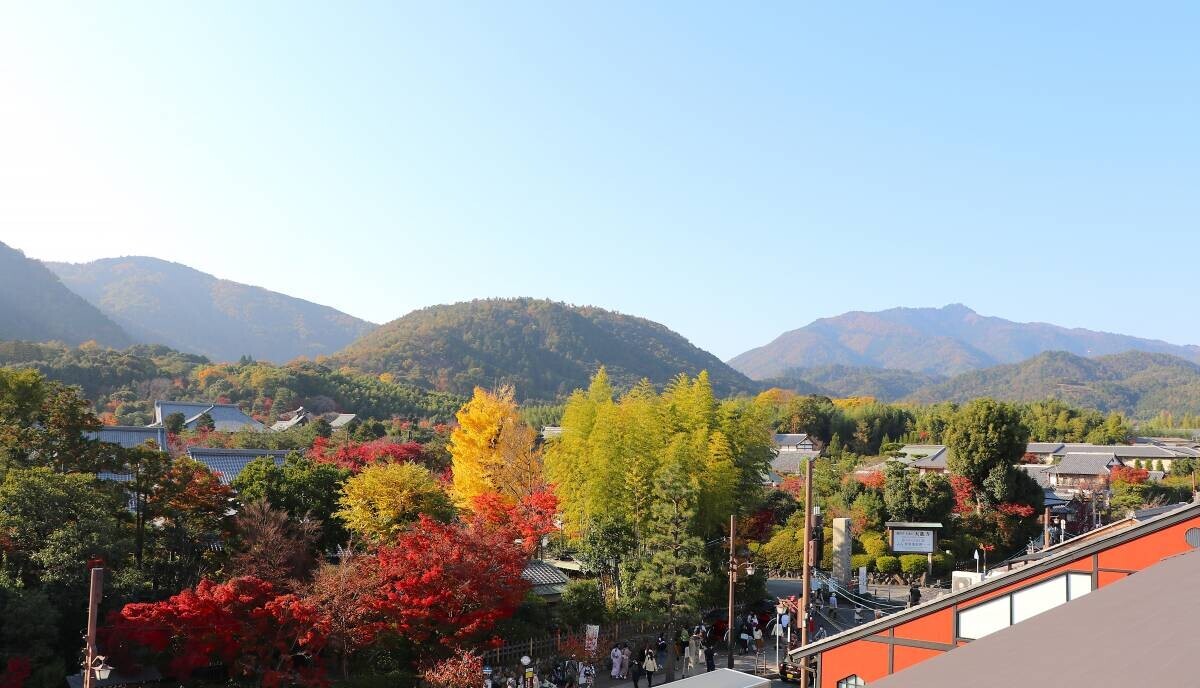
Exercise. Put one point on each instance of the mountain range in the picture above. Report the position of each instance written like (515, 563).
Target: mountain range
(545, 349)
(934, 341)
(160, 302)
(36, 306)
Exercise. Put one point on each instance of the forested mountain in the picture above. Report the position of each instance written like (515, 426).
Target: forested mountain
(1135, 382)
(546, 349)
(123, 384)
(937, 341)
(35, 306)
(160, 302)
(851, 381)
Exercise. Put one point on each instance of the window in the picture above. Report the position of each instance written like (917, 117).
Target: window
(852, 681)
(1006, 610)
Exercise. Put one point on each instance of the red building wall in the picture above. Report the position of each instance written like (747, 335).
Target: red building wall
(928, 635)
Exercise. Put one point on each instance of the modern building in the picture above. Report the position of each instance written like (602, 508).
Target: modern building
(1056, 576)
(226, 417)
(228, 463)
(1138, 631)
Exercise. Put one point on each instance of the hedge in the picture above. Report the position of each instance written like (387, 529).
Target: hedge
(887, 564)
(913, 564)
(857, 560)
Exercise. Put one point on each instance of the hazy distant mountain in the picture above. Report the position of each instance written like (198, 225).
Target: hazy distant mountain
(544, 348)
(35, 306)
(1135, 382)
(936, 341)
(160, 302)
(849, 381)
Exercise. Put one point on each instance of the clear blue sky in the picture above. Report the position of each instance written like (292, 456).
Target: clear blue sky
(730, 173)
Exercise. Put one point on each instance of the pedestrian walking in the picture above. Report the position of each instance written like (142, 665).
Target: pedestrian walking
(833, 602)
(914, 596)
(625, 655)
(660, 647)
(572, 672)
(635, 670)
(710, 657)
(651, 666)
(587, 674)
(614, 655)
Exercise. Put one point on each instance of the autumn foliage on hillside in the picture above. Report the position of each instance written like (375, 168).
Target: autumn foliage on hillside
(355, 456)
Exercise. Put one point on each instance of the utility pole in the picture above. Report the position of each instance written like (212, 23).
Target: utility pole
(95, 592)
(732, 580)
(1046, 529)
(806, 578)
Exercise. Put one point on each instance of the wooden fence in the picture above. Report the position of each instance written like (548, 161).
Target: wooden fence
(548, 649)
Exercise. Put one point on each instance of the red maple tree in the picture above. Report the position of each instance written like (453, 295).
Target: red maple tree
(873, 480)
(447, 584)
(527, 520)
(1132, 476)
(242, 625)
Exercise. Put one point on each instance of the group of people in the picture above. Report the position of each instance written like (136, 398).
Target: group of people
(693, 648)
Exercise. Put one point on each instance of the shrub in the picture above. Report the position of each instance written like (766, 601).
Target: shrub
(913, 564)
(857, 560)
(582, 603)
(887, 564)
(943, 563)
(874, 543)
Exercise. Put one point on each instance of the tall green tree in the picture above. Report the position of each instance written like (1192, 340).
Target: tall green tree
(984, 439)
(669, 578)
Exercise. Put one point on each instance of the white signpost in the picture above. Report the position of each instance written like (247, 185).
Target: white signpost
(917, 541)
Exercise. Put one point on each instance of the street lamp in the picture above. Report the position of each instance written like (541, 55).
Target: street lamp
(100, 668)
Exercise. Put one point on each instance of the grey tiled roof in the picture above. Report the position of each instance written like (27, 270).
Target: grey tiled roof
(793, 461)
(934, 460)
(228, 417)
(1039, 472)
(791, 438)
(1043, 447)
(1123, 451)
(544, 576)
(1086, 464)
(337, 420)
(228, 463)
(130, 436)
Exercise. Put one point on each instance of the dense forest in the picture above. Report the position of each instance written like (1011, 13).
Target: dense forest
(1135, 383)
(123, 384)
(542, 348)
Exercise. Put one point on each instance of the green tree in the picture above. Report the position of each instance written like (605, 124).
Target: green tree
(174, 422)
(984, 439)
(30, 631)
(582, 603)
(674, 558)
(812, 414)
(304, 488)
(205, 422)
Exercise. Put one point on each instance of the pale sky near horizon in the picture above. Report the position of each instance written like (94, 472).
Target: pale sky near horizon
(732, 171)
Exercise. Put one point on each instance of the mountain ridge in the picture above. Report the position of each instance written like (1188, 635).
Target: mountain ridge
(544, 348)
(35, 305)
(942, 341)
(164, 302)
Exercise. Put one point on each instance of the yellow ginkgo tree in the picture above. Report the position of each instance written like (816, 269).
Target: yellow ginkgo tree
(493, 450)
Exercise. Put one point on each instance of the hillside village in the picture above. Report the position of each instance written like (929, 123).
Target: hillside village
(292, 476)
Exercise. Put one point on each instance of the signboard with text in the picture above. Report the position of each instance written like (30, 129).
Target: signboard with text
(918, 541)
